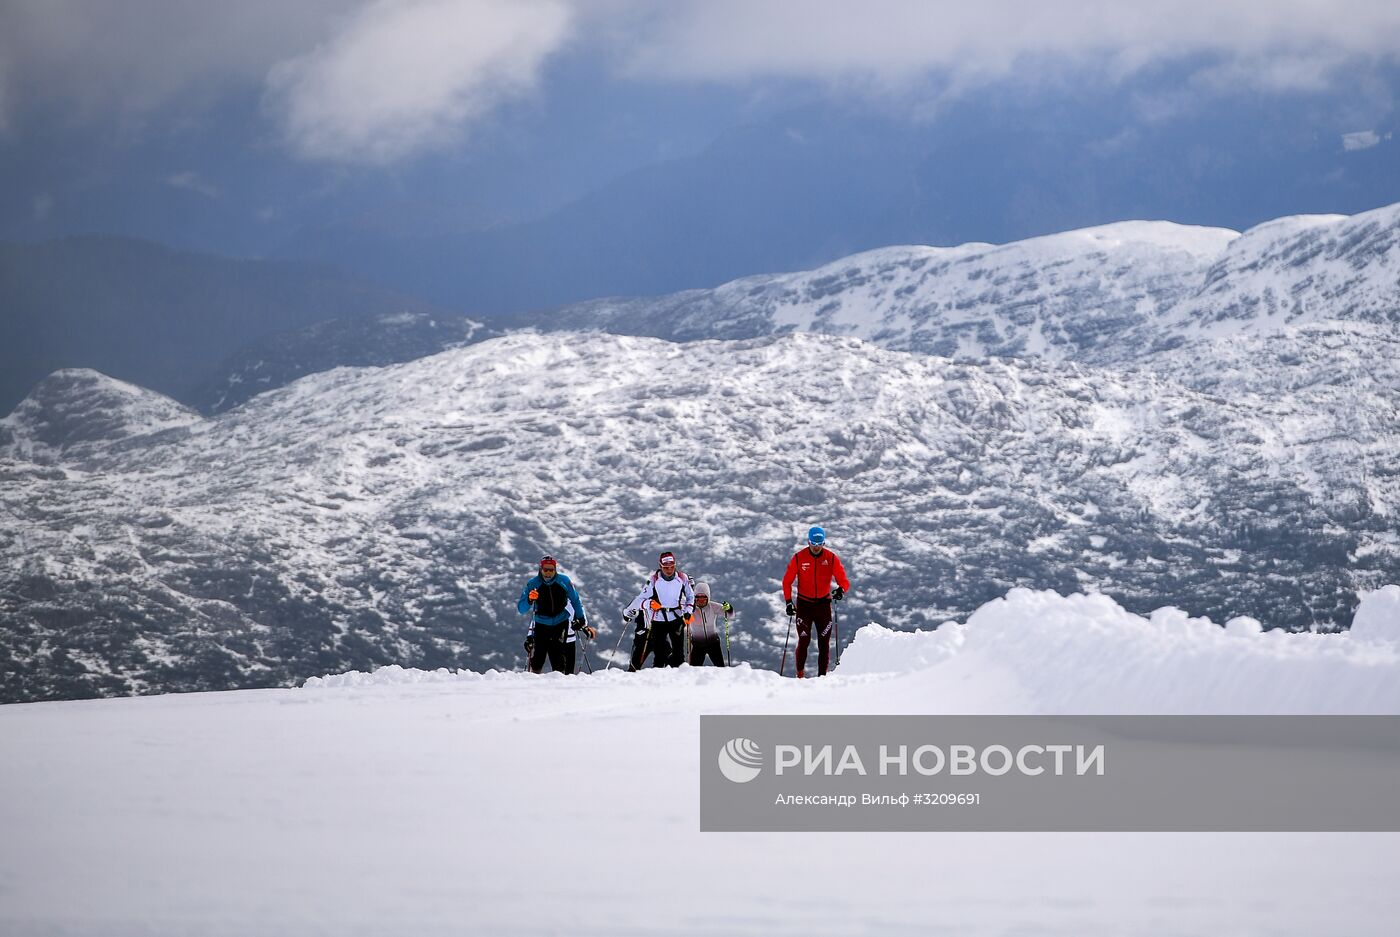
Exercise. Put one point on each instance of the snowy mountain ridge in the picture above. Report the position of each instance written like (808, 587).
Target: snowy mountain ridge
(1107, 295)
(76, 410)
(1099, 295)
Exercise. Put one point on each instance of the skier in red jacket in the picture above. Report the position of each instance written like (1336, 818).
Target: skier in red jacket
(813, 569)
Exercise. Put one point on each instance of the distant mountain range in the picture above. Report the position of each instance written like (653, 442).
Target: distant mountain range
(1171, 415)
(364, 341)
(1102, 295)
(801, 188)
(162, 318)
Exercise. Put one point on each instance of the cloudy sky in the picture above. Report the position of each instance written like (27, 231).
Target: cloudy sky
(340, 129)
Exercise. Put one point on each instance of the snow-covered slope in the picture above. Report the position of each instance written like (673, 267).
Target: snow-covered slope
(1099, 295)
(368, 516)
(75, 412)
(1064, 296)
(1298, 270)
(423, 803)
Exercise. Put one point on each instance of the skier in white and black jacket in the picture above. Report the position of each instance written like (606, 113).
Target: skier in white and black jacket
(666, 603)
(709, 628)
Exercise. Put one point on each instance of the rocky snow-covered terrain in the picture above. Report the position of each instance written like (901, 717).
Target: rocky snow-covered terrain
(367, 516)
(1066, 296)
(1179, 416)
(1102, 295)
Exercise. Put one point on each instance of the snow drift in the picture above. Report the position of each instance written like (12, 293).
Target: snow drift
(1086, 654)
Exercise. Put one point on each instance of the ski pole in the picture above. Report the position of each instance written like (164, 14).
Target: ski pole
(728, 657)
(583, 644)
(836, 634)
(618, 647)
(786, 638)
(530, 640)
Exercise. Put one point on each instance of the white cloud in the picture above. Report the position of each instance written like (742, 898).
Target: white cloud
(404, 75)
(1360, 140)
(378, 80)
(1273, 43)
(98, 60)
(191, 181)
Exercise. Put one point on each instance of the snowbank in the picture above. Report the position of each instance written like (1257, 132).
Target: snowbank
(1378, 618)
(1085, 653)
(393, 675)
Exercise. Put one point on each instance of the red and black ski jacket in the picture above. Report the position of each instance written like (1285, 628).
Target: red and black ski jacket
(813, 574)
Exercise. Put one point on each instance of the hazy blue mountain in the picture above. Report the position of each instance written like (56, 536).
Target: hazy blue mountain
(367, 341)
(157, 317)
(803, 188)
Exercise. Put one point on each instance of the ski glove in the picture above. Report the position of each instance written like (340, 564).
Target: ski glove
(838, 594)
(534, 594)
(580, 626)
(628, 616)
(655, 605)
(687, 617)
(529, 647)
(790, 609)
(727, 608)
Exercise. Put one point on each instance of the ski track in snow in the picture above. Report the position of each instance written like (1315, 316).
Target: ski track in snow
(415, 802)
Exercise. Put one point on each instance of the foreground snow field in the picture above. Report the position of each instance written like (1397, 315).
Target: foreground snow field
(407, 802)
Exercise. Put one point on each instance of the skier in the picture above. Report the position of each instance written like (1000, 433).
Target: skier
(813, 569)
(706, 639)
(668, 600)
(549, 596)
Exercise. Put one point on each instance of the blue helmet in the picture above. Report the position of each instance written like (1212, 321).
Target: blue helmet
(816, 536)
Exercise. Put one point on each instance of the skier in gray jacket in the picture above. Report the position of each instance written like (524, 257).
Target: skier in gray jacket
(709, 628)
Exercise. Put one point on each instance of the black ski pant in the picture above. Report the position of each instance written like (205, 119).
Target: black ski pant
(813, 613)
(706, 647)
(668, 642)
(641, 646)
(549, 643)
